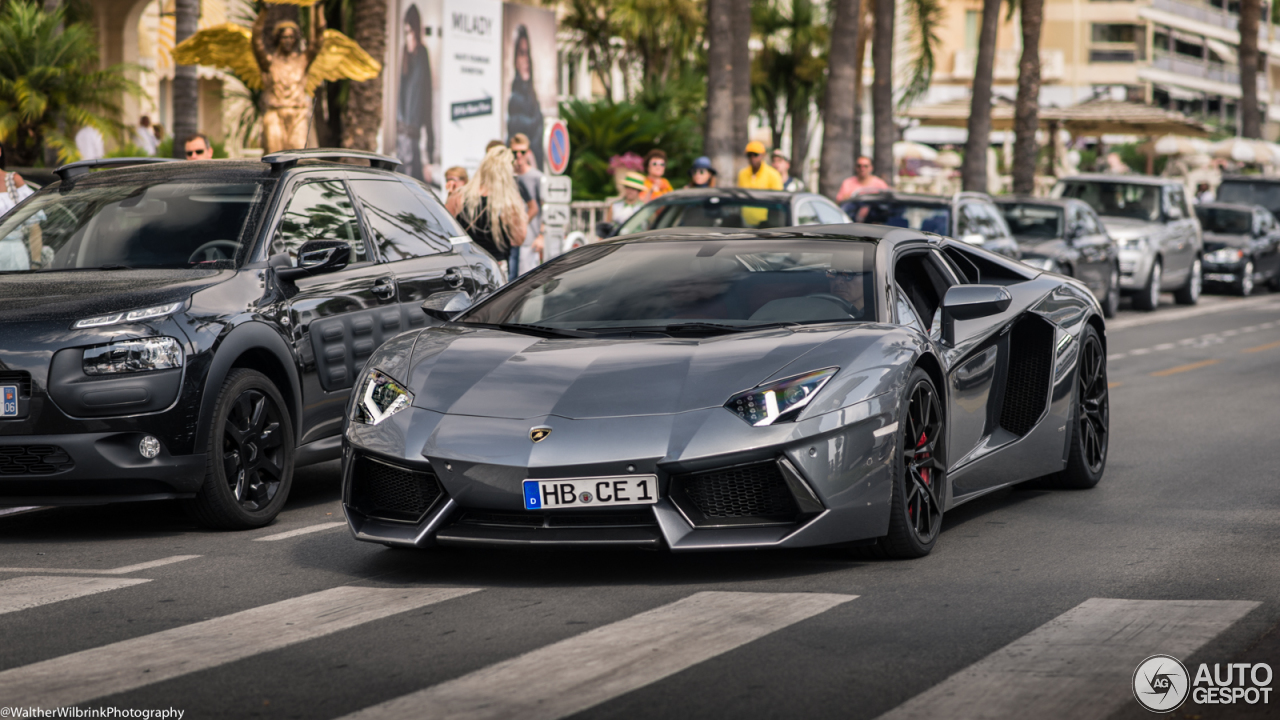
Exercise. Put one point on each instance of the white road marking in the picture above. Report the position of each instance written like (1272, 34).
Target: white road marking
(1078, 665)
(583, 671)
(301, 531)
(114, 571)
(130, 664)
(21, 593)
(1263, 302)
(1213, 338)
(1165, 346)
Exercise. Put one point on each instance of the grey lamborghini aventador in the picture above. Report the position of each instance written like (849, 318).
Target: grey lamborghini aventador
(695, 389)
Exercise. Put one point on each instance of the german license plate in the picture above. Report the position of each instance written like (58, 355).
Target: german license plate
(8, 401)
(590, 492)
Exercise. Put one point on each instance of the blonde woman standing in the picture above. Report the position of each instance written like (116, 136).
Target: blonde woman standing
(489, 207)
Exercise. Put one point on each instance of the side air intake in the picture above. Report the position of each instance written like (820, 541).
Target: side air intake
(1030, 368)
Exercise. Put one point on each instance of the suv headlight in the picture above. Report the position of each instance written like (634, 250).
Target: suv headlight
(779, 401)
(1139, 243)
(1225, 256)
(130, 316)
(130, 356)
(379, 398)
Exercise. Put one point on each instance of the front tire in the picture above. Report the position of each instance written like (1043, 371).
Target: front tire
(1189, 294)
(1244, 287)
(915, 513)
(250, 457)
(1148, 298)
(1091, 419)
(1112, 304)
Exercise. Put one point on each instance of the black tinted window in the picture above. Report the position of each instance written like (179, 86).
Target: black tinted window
(1247, 193)
(319, 211)
(440, 221)
(400, 226)
(1224, 220)
(901, 213)
(1031, 220)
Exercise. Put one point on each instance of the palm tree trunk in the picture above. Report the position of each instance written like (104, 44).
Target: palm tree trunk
(362, 116)
(882, 91)
(741, 59)
(799, 136)
(838, 131)
(719, 140)
(973, 173)
(1026, 111)
(186, 90)
(1250, 16)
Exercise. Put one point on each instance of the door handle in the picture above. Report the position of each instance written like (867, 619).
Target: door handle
(384, 288)
(453, 276)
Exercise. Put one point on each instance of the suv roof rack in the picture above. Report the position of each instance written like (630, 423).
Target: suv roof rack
(286, 159)
(82, 167)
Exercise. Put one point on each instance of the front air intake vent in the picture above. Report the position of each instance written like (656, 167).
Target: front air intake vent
(1030, 367)
(391, 492)
(738, 495)
(33, 460)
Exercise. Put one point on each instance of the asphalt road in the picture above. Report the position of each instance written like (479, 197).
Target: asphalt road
(1034, 604)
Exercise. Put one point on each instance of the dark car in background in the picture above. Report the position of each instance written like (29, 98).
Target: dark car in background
(729, 208)
(971, 218)
(1241, 246)
(1250, 190)
(1066, 237)
(195, 329)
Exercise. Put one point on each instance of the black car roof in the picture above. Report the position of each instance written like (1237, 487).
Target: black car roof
(896, 195)
(221, 171)
(859, 232)
(1131, 179)
(1251, 179)
(1242, 207)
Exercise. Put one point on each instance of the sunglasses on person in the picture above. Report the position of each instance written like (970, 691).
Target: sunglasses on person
(864, 164)
(753, 155)
(195, 152)
(520, 153)
(662, 163)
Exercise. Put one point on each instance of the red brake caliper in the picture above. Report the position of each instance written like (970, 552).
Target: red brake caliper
(924, 472)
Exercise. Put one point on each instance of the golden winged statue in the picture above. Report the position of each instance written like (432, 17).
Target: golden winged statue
(277, 64)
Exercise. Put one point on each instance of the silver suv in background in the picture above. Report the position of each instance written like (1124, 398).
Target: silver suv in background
(1159, 236)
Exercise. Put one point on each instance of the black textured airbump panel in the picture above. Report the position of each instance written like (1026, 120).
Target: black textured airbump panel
(33, 460)
(1030, 367)
(342, 343)
(741, 491)
(392, 492)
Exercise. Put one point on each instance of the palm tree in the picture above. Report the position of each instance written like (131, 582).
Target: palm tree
(719, 143)
(973, 173)
(838, 133)
(186, 91)
(741, 58)
(786, 74)
(362, 114)
(51, 83)
(1026, 110)
(925, 15)
(1250, 16)
(661, 33)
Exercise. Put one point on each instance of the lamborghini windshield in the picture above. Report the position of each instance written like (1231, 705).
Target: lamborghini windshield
(175, 225)
(725, 284)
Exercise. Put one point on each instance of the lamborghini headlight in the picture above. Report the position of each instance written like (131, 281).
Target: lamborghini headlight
(378, 398)
(779, 401)
(1225, 256)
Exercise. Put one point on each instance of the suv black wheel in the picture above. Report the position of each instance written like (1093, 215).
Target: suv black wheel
(1148, 298)
(1189, 294)
(250, 465)
(1111, 305)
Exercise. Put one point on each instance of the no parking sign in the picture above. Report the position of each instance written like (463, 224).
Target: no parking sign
(556, 144)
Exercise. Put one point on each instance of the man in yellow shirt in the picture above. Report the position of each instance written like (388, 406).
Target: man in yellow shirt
(757, 175)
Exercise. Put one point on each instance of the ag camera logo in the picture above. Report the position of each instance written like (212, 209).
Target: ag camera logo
(1160, 683)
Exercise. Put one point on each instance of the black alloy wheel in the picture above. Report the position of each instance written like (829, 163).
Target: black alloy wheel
(1111, 305)
(1189, 294)
(1148, 298)
(1091, 426)
(915, 514)
(250, 455)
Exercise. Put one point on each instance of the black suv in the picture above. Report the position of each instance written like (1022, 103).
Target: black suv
(193, 330)
(1251, 190)
(967, 216)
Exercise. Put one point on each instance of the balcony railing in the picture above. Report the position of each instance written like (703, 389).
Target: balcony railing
(1182, 65)
(1052, 65)
(1199, 11)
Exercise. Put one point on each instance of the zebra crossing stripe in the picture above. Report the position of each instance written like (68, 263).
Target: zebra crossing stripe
(21, 593)
(1078, 665)
(111, 571)
(585, 670)
(129, 664)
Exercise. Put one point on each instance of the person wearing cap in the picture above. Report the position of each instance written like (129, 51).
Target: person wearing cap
(702, 175)
(632, 189)
(782, 164)
(758, 175)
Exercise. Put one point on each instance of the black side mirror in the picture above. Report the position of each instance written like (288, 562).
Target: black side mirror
(443, 306)
(605, 229)
(969, 302)
(316, 257)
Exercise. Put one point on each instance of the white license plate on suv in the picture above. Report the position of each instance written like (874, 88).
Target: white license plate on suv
(590, 492)
(8, 401)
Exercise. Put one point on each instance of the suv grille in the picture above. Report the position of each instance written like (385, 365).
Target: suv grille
(34, 460)
(613, 518)
(391, 492)
(742, 491)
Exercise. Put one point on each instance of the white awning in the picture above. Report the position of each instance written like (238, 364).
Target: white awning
(1224, 51)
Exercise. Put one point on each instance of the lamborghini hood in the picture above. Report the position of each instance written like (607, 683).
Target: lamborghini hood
(490, 373)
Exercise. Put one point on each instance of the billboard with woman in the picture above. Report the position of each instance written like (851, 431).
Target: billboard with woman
(529, 73)
(412, 88)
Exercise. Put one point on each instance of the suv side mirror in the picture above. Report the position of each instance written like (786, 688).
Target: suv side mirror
(443, 306)
(605, 229)
(316, 257)
(969, 302)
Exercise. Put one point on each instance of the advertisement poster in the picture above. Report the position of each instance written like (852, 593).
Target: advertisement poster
(413, 89)
(528, 73)
(472, 85)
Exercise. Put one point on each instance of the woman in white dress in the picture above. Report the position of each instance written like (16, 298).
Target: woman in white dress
(18, 248)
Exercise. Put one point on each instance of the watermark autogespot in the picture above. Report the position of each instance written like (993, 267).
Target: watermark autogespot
(1161, 684)
(21, 713)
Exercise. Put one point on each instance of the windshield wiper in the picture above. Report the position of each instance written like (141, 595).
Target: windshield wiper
(535, 330)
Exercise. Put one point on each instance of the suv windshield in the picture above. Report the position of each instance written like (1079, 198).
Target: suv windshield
(1117, 199)
(163, 225)
(1030, 221)
(714, 211)
(1244, 192)
(923, 216)
(1225, 221)
(733, 284)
